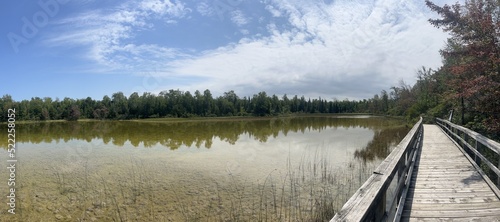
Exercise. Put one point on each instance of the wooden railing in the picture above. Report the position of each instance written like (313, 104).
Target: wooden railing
(382, 196)
(483, 153)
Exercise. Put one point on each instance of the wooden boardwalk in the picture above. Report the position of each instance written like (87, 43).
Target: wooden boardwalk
(445, 186)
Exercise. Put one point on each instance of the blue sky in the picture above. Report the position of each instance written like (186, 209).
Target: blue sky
(333, 49)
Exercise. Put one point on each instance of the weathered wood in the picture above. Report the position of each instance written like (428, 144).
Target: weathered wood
(451, 190)
(477, 155)
(463, 219)
(462, 136)
(369, 202)
(446, 185)
(455, 195)
(491, 144)
(450, 199)
(459, 213)
(454, 206)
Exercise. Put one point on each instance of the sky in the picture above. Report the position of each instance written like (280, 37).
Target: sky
(333, 49)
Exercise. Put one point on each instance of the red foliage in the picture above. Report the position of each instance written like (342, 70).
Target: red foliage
(472, 56)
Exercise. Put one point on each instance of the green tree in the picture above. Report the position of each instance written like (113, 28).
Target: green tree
(262, 104)
(119, 106)
(134, 104)
(73, 113)
(188, 103)
(87, 107)
(36, 106)
(208, 103)
(6, 103)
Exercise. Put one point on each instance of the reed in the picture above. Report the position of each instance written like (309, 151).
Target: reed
(311, 190)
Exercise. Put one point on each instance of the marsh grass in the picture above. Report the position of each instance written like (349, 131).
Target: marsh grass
(313, 190)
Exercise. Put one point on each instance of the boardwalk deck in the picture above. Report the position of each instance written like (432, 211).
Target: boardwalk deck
(446, 187)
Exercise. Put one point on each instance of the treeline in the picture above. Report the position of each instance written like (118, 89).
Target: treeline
(172, 103)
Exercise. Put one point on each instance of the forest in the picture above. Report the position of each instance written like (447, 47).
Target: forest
(468, 83)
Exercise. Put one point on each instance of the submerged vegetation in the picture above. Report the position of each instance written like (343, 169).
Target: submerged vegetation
(121, 171)
(312, 190)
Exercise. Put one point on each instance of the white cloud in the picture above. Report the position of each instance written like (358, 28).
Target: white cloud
(239, 18)
(204, 9)
(244, 31)
(164, 7)
(105, 33)
(274, 12)
(345, 49)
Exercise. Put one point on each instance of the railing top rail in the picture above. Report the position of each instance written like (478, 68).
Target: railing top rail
(360, 204)
(491, 144)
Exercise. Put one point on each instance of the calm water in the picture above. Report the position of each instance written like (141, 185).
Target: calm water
(201, 170)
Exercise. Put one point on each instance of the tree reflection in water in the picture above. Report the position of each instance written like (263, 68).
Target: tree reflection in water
(173, 135)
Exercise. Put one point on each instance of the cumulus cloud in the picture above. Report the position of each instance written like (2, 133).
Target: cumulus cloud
(342, 49)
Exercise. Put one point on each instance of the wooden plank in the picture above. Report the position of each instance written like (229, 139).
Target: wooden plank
(453, 213)
(442, 171)
(457, 206)
(450, 190)
(453, 200)
(429, 184)
(488, 181)
(446, 186)
(454, 195)
(464, 219)
(478, 154)
(445, 178)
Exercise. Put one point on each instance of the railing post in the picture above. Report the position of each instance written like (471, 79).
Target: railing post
(464, 146)
(474, 146)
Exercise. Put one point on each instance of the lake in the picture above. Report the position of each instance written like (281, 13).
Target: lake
(297, 168)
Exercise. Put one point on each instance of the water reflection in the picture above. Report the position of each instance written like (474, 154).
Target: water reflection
(173, 135)
(380, 146)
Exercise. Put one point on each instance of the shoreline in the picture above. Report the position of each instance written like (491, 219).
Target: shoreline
(201, 119)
